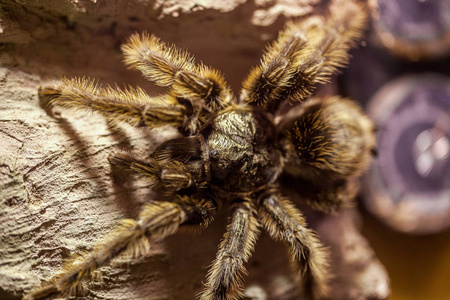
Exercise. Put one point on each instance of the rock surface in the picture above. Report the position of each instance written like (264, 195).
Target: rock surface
(57, 192)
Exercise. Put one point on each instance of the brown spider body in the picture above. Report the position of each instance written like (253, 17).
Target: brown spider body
(243, 151)
(234, 150)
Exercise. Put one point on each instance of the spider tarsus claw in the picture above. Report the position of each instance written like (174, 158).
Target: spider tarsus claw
(46, 96)
(118, 159)
(41, 292)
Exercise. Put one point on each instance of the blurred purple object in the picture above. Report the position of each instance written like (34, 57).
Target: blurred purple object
(416, 29)
(408, 185)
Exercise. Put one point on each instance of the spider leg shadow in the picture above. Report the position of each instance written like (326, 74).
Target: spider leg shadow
(167, 264)
(121, 184)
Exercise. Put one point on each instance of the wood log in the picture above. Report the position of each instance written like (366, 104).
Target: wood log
(58, 194)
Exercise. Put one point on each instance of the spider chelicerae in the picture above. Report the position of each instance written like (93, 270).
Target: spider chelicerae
(233, 150)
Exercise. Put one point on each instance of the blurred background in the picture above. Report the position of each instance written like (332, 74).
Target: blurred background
(402, 78)
(400, 73)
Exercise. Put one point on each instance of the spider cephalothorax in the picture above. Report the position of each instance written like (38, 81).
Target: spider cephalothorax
(233, 150)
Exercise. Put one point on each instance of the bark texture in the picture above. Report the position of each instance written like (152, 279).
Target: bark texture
(58, 194)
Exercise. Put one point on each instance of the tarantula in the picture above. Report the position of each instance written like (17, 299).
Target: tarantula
(233, 149)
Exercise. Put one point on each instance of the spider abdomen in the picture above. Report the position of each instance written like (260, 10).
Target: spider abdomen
(243, 151)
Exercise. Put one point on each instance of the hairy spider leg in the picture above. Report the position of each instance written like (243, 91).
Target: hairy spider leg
(329, 145)
(179, 163)
(224, 280)
(164, 175)
(306, 53)
(131, 106)
(284, 222)
(205, 88)
(156, 220)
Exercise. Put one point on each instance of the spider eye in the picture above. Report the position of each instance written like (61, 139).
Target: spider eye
(333, 138)
(214, 154)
